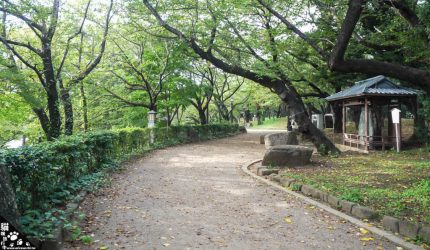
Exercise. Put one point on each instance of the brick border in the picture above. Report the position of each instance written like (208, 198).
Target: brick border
(385, 234)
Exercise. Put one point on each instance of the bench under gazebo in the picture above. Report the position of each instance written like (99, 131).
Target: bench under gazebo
(366, 117)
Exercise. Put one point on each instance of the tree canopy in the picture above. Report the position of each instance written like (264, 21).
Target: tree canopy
(90, 65)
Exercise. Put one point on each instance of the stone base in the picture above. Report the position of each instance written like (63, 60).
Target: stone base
(288, 138)
(287, 156)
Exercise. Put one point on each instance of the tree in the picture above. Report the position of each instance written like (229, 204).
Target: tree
(201, 91)
(145, 68)
(267, 70)
(8, 207)
(225, 87)
(36, 53)
(415, 24)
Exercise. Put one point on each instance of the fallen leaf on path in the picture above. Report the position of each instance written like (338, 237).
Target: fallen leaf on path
(103, 248)
(288, 220)
(363, 231)
(367, 239)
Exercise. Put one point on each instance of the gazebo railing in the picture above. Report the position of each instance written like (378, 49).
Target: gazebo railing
(368, 141)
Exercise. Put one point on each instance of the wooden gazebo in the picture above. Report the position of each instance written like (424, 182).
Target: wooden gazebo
(368, 105)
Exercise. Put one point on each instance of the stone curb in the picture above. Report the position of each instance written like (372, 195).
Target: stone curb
(404, 228)
(60, 234)
(385, 234)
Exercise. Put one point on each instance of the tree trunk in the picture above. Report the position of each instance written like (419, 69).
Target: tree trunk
(203, 117)
(43, 120)
(52, 93)
(68, 111)
(338, 118)
(8, 208)
(84, 105)
(298, 112)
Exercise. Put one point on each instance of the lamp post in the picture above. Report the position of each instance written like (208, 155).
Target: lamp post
(152, 116)
(395, 115)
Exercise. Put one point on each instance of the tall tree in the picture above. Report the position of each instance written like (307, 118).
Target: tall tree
(143, 70)
(36, 53)
(203, 80)
(206, 42)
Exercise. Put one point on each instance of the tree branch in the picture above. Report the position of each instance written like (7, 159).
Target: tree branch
(294, 29)
(78, 32)
(97, 60)
(130, 103)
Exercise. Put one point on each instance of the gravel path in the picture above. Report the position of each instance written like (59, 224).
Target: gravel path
(195, 196)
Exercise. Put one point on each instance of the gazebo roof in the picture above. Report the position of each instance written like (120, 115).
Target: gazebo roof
(375, 86)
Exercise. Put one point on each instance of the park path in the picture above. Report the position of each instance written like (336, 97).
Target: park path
(195, 196)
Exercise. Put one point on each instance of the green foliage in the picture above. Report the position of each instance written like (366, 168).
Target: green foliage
(86, 239)
(353, 195)
(395, 184)
(48, 175)
(322, 150)
(295, 187)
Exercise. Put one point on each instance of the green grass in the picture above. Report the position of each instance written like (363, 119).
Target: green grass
(274, 123)
(392, 184)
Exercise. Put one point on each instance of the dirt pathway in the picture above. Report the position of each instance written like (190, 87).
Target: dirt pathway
(195, 196)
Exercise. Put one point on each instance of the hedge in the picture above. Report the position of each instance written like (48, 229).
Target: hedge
(42, 173)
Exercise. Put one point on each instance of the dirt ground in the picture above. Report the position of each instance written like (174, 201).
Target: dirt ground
(195, 196)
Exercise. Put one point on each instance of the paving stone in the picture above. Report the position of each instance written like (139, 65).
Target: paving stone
(346, 206)
(408, 229)
(424, 233)
(306, 189)
(323, 196)
(332, 200)
(316, 194)
(275, 178)
(363, 212)
(286, 182)
(391, 223)
(267, 171)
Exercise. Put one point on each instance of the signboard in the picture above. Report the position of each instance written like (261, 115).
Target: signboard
(395, 115)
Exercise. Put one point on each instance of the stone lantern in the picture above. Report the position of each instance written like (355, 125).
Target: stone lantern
(152, 116)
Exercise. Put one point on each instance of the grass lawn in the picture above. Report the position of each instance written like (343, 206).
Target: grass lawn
(274, 123)
(392, 184)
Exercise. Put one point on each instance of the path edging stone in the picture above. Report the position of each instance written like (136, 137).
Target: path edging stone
(408, 229)
(385, 234)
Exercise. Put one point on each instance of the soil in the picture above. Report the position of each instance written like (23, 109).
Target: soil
(195, 196)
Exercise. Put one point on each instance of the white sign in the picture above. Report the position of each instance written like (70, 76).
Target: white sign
(395, 115)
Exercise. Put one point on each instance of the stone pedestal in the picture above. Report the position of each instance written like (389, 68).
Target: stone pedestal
(287, 156)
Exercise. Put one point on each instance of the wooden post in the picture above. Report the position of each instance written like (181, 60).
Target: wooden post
(343, 122)
(400, 128)
(366, 124)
